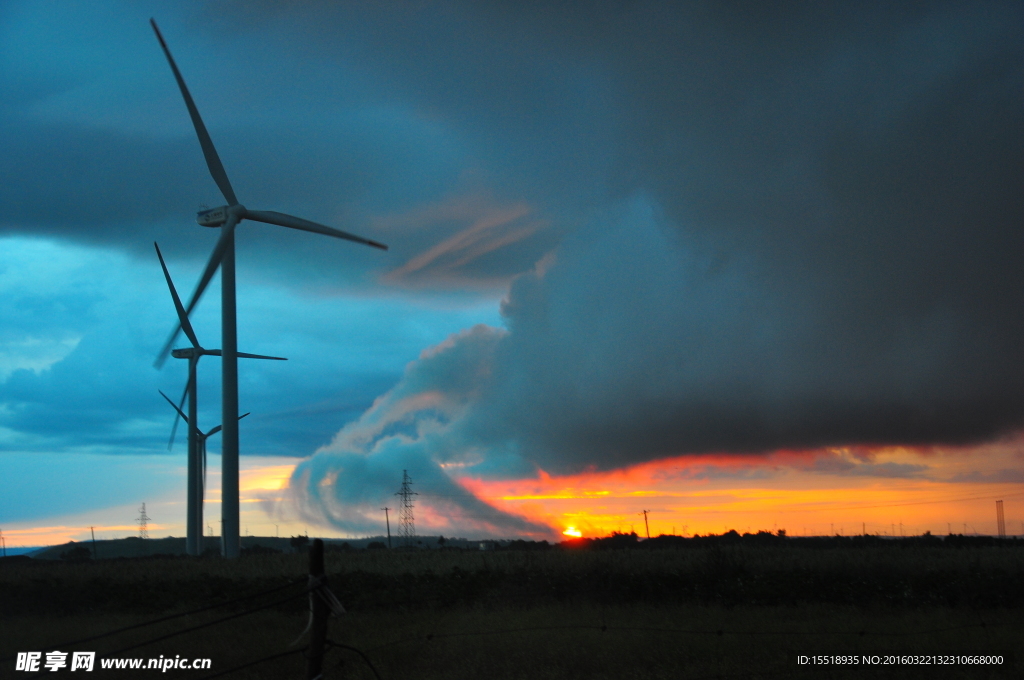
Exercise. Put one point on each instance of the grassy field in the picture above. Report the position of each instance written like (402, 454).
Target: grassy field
(714, 610)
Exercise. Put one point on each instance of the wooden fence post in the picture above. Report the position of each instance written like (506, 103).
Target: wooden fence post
(321, 610)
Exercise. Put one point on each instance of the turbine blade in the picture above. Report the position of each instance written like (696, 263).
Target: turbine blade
(212, 159)
(244, 355)
(292, 222)
(244, 415)
(182, 316)
(214, 431)
(188, 387)
(211, 269)
(181, 414)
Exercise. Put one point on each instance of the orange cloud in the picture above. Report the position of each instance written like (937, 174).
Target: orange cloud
(882, 490)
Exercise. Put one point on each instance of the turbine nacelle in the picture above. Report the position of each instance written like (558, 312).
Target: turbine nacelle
(214, 217)
(217, 217)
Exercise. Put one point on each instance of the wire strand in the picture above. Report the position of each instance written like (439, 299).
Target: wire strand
(357, 651)
(166, 618)
(207, 624)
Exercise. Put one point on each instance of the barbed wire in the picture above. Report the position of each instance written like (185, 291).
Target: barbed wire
(209, 623)
(171, 617)
(199, 627)
(332, 643)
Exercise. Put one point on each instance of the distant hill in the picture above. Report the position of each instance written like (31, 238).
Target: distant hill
(133, 546)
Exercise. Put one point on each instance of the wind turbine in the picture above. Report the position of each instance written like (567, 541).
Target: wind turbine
(227, 218)
(199, 437)
(194, 515)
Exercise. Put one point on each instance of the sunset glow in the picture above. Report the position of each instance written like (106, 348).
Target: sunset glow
(804, 493)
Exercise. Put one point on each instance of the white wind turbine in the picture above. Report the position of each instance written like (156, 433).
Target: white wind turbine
(227, 218)
(196, 477)
(199, 437)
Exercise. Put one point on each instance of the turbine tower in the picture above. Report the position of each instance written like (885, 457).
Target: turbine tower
(227, 218)
(196, 463)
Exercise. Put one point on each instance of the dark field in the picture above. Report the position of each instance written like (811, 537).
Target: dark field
(688, 609)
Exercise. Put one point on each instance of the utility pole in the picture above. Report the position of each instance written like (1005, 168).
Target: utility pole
(1000, 524)
(644, 513)
(3, 542)
(387, 521)
(93, 532)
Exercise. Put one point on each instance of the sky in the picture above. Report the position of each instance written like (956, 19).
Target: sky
(740, 266)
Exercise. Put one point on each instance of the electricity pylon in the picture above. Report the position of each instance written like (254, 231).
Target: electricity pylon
(407, 526)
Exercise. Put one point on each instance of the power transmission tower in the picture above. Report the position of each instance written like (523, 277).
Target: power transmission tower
(1000, 524)
(646, 526)
(407, 527)
(388, 522)
(143, 520)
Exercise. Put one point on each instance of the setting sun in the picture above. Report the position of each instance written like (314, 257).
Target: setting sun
(573, 531)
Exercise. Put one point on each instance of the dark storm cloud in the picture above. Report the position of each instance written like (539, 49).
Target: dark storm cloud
(842, 190)
(806, 228)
